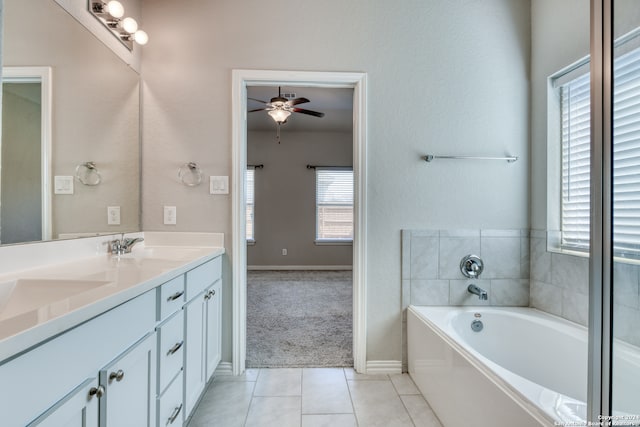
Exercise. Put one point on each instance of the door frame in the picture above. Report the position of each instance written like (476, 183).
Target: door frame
(240, 80)
(42, 75)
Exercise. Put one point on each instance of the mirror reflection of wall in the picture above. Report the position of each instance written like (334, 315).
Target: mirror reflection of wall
(21, 189)
(95, 118)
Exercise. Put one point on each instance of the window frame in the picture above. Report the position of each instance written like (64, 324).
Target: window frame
(251, 170)
(626, 46)
(320, 241)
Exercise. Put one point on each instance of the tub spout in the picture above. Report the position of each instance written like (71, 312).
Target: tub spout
(482, 294)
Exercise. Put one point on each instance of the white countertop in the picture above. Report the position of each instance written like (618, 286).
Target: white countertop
(114, 280)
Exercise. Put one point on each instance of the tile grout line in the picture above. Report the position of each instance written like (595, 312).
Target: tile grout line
(255, 383)
(355, 415)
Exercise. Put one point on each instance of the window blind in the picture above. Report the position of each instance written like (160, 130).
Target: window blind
(334, 204)
(250, 202)
(575, 112)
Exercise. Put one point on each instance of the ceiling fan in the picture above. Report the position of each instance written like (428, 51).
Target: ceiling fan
(280, 108)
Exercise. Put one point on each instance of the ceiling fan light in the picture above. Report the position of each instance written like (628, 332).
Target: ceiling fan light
(279, 115)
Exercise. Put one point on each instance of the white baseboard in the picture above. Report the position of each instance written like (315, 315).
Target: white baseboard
(224, 369)
(384, 367)
(298, 267)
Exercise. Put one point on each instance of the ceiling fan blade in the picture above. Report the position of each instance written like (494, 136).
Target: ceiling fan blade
(297, 101)
(309, 112)
(257, 100)
(257, 109)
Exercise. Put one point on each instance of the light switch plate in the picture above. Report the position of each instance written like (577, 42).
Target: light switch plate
(170, 215)
(62, 184)
(113, 215)
(218, 185)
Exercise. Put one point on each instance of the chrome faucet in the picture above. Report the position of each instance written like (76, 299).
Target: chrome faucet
(123, 245)
(482, 294)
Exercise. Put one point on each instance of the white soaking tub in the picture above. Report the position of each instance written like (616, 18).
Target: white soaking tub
(524, 368)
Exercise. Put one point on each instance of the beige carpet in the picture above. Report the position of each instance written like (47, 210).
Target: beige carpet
(299, 319)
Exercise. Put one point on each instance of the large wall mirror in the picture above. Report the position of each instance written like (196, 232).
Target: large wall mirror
(94, 119)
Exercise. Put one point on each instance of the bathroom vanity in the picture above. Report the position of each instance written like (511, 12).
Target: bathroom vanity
(126, 340)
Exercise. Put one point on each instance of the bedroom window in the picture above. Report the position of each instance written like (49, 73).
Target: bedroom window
(334, 205)
(574, 95)
(250, 204)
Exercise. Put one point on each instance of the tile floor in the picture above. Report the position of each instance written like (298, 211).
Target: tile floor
(314, 397)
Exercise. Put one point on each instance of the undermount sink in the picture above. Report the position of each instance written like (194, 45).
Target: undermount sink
(23, 295)
(174, 253)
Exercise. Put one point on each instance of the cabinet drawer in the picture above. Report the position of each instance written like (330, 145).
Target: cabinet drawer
(170, 297)
(170, 349)
(170, 405)
(203, 276)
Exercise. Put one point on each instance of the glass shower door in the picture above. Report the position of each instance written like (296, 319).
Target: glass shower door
(625, 357)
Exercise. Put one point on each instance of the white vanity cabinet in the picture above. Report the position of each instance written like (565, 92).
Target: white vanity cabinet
(78, 409)
(130, 387)
(143, 363)
(202, 329)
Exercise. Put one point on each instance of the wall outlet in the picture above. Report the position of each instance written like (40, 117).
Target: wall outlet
(218, 185)
(113, 215)
(284, 252)
(170, 215)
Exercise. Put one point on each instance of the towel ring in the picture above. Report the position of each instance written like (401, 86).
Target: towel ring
(190, 174)
(87, 173)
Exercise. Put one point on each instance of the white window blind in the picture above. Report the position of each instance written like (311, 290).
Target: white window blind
(626, 158)
(334, 204)
(250, 202)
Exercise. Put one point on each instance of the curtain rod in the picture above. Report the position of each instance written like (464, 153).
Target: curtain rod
(260, 166)
(328, 167)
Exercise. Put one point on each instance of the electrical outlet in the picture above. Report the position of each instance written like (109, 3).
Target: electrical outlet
(170, 215)
(113, 215)
(284, 252)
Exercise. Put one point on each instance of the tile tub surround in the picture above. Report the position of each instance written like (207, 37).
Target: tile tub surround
(431, 269)
(313, 397)
(560, 286)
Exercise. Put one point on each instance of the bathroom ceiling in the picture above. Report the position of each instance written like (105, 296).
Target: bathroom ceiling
(337, 104)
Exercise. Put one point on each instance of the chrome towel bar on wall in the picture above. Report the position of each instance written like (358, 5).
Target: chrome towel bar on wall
(430, 157)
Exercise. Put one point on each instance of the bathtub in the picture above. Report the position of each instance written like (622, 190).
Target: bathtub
(524, 368)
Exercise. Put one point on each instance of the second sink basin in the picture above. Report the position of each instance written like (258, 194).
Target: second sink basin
(22, 295)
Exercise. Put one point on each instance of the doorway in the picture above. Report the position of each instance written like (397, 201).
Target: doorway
(25, 205)
(241, 80)
(299, 227)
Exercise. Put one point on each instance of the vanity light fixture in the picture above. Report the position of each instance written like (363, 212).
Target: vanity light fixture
(125, 29)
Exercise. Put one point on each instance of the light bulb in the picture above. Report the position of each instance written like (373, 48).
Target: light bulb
(141, 37)
(115, 9)
(129, 25)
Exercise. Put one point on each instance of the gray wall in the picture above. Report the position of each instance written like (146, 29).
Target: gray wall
(21, 189)
(444, 77)
(285, 196)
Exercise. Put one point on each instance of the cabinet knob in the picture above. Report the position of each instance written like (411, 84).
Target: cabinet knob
(118, 376)
(96, 391)
(174, 415)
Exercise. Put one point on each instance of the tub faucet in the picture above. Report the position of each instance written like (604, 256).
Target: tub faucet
(482, 294)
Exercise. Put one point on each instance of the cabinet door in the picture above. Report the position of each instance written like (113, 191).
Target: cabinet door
(78, 409)
(194, 337)
(214, 321)
(130, 386)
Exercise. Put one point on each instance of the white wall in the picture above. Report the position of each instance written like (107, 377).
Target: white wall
(285, 196)
(443, 77)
